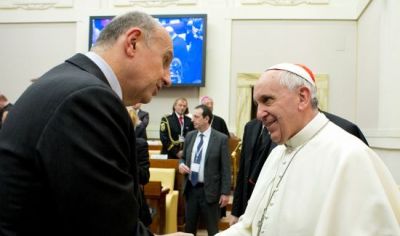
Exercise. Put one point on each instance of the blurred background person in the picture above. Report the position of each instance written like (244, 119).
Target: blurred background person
(206, 166)
(173, 129)
(217, 122)
(142, 121)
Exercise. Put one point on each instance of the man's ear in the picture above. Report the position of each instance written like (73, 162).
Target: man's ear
(133, 37)
(304, 97)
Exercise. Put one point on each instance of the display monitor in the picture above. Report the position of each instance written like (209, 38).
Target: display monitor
(188, 34)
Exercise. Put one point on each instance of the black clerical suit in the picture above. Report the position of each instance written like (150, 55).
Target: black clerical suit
(170, 130)
(219, 124)
(67, 158)
(255, 152)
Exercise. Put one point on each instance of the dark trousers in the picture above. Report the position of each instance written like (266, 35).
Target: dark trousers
(196, 204)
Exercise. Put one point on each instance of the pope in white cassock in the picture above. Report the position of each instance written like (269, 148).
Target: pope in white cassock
(320, 180)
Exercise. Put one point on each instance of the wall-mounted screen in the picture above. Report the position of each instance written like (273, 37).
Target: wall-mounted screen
(188, 34)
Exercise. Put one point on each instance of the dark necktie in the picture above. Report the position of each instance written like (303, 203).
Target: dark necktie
(197, 160)
(181, 120)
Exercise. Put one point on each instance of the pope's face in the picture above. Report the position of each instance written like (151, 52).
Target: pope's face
(276, 107)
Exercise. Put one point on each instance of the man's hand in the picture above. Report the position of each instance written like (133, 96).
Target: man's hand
(179, 154)
(184, 169)
(233, 220)
(223, 200)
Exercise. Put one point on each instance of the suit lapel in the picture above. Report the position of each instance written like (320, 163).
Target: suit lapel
(212, 139)
(190, 147)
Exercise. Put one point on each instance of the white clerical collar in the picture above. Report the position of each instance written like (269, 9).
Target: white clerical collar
(308, 131)
(107, 71)
(206, 133)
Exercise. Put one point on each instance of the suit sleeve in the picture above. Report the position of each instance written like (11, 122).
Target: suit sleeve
(142, 149)
(141, 128)
(226, 167)
(87, 153)
(145, 119)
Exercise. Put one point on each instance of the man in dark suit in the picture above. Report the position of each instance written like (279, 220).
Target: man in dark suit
(70, 168)
(143, 121)
(256, 146)
(206, 166)
(217, 122)
(173, 129)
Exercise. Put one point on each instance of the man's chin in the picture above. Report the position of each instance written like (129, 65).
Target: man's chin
(276, 139)
(146, 99)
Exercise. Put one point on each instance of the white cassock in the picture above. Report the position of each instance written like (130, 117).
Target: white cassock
(322, 182)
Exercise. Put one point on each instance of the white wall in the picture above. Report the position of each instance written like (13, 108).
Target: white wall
(379, 80)
(29, 49)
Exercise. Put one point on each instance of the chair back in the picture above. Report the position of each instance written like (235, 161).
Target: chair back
(165, 175)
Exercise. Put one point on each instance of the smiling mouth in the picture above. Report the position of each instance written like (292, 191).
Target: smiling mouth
(269, 124)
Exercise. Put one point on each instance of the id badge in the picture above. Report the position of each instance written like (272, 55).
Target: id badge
(195, 167)
(181, 138)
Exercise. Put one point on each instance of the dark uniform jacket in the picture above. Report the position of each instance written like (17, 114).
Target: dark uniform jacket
(170, 129)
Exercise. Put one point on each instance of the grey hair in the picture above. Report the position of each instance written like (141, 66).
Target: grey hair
(122, 23)
(293, 81)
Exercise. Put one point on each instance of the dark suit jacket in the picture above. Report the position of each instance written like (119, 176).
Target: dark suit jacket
(250, 165)
(217, 166)
(142, 150)
(171, 129)
(219, 124)
(252, 129)
(67, 159)
(141, 128)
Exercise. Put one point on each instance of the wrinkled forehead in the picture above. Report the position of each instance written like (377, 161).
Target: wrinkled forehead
(181, 102)
(198, 112)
